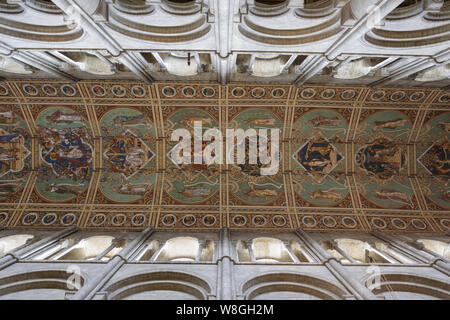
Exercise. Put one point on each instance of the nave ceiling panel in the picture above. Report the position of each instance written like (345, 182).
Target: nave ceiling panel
(96, 154)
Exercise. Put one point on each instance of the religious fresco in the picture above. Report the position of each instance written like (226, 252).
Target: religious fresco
(15, 151)
(246, 182)
(434, 159)
(128, 154)
(96, 154)
(381, 160)
(66, 153)
(196, 182)
(318, 164)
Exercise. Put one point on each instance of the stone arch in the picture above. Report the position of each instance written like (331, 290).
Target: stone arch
(305, 285)
(439, 247)
(349, 250)
(51, 284)
(9, 243)
(158, 283)
(180, 249)
(270, 250)
(90, 248)
(410, 286)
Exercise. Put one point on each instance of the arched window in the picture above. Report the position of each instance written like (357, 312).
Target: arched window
(13, 242)
(357, 251)
(183, 249)
(269, 250)
(439, 247)
(96, 248)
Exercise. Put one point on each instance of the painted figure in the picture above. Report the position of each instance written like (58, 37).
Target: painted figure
(325, 121)
(381, 158)
(261, 122)
(393, 124)
(196, 192)
(67, 153)
(61, 117)
(326, 194)
(127, 154)
(7, 117)
(260, 192)
(318, 157)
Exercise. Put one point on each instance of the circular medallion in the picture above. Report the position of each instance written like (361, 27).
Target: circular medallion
(378, 95)
(309, 221)
(98, 219)
(349, 222)
(328, 94)
(188, 92)
(399, 223)
(444, 222)
(329, 222)
(118, 91)
(29, 219)
(258, 92)
(209, 220)
(119, 219)
(169, 91)
(278, 93)
(308, 93)
(49, 219)
(398, 95)
(68, 90)
(418, 224)
(208, 92)
(259, 221)
(238, 92)
(138, 219)
(239, 220)
(3, 90)
(49, 90)
(348, 94)
(138, 91)
(417, 96)
(189, 220)
(3, 217)
(68, 219)
(30, 89)
(169, 220)
(98, 91)
(279, 221)
(444, 98)
(379, 223)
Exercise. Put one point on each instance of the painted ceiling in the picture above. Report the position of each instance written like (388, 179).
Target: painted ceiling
(95, 155)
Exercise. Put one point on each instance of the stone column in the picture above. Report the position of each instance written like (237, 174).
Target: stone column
(287, 246)
(437, 262)
(15, 255)
(353, 286)
(88, 291)
(251, 253)
(201, 245)
(225, 267)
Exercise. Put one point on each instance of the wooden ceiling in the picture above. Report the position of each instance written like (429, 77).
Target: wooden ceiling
(67, 157)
